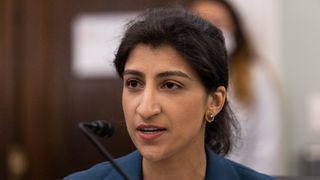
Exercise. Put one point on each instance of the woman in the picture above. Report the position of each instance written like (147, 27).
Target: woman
(254, 94)
(175, 77)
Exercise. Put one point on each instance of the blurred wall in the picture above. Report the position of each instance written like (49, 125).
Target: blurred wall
(300, 65)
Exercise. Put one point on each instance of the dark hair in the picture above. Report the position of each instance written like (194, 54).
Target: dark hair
(200, 43)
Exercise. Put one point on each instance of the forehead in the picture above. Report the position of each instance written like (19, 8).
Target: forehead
(162, 58)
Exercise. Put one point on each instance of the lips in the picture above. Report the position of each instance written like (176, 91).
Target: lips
(150, 132)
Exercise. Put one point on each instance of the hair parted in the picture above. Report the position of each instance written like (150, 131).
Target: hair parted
(201, 44)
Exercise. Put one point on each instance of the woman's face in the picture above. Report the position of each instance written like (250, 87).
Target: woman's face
(164, 103)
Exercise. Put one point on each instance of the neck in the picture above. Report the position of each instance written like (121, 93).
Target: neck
(189, 165)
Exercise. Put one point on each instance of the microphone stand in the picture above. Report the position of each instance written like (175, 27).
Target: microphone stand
(102, 150)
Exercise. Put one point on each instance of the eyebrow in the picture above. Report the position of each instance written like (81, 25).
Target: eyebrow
(160, 75)
(132, 72)
(173, 73)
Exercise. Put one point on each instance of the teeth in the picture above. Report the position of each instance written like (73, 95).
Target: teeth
(150, 129)
(149, 132)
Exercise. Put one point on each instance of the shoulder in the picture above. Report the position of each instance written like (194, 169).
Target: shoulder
(105, 170)
(247, 173)
(98, 171)
(219, 167)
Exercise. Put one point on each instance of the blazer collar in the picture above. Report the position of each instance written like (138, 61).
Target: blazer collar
(217, 167)
(131, 165)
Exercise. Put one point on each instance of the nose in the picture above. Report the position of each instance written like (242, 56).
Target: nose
(148, 106)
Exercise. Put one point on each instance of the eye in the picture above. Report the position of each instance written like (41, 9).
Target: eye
(133, 84)
(171, 85)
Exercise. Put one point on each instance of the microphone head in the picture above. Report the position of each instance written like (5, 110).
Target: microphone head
(102, 128)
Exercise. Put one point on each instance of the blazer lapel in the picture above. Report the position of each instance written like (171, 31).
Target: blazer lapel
(131, 165)
(219, 168)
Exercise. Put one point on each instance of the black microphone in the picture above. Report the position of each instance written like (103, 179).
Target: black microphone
(101, 128)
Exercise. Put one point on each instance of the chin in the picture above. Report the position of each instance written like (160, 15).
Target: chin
(152, 153)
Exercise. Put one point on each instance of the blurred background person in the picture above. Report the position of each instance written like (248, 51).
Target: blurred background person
(254, 91)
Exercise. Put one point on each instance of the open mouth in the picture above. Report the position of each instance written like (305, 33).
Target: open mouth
(151, 130)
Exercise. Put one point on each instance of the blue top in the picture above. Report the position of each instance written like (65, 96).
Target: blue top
(218, 168)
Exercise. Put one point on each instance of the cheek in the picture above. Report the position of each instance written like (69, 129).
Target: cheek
(124, 104)
(128, 111)
(128, 108)
(128, 102)
(188, 110)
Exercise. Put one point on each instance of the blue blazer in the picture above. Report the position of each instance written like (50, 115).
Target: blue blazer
(218, 168)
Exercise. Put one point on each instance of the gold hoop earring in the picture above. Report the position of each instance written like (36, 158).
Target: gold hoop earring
(209, 116)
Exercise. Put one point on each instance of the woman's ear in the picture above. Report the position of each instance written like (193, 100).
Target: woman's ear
(217, 100)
